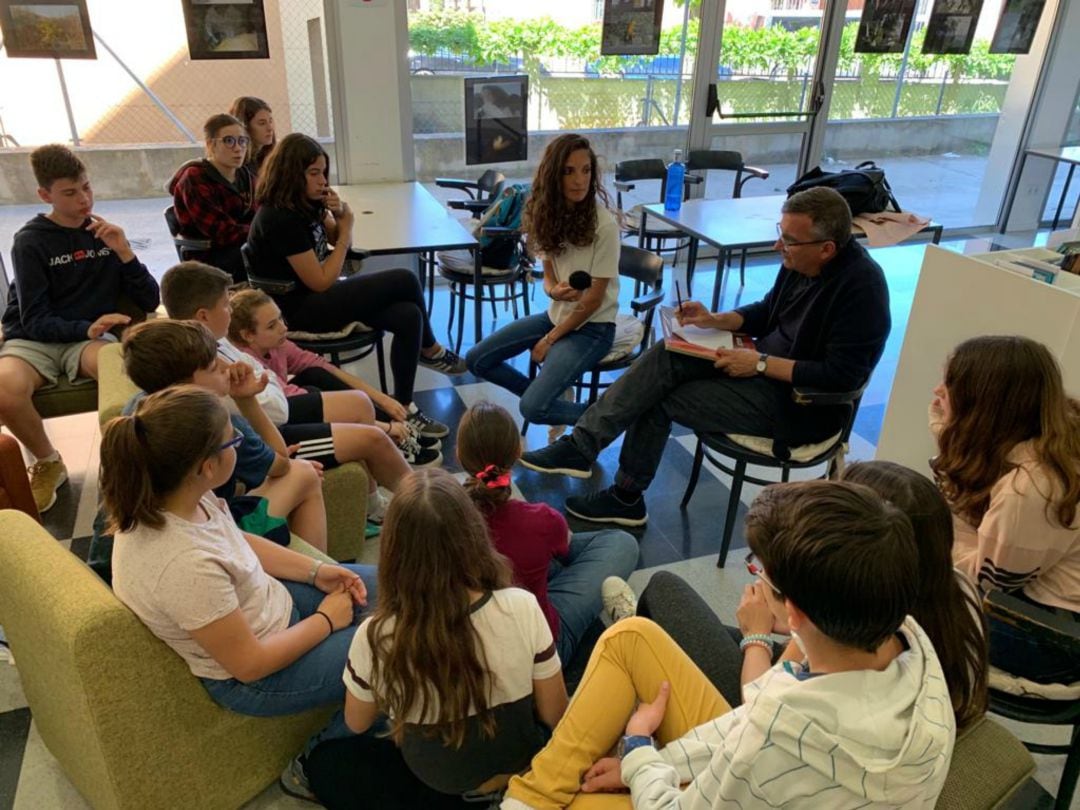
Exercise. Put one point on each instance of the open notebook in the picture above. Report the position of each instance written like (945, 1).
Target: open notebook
(695, 341)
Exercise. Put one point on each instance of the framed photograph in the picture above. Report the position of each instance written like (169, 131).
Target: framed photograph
(1016, 27)
(226, 29)
(951, 27)
(47, 29)
(496, 126)
(631, 27)
(884, 26)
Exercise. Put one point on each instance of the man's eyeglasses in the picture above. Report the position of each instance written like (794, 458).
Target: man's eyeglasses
(758, 570)
(234, 442)
(232, 141)
(790, 243)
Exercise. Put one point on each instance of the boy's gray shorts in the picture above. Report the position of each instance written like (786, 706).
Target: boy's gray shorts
(50, 360)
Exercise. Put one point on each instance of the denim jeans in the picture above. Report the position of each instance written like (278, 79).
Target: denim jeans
(312, 680)
(568, 359)
(574, 581)
(664, 387)
(1015, 651)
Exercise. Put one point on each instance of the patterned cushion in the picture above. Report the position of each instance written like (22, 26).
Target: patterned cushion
(344, 332)
(628, 333)
(764, 446)
(461, 261)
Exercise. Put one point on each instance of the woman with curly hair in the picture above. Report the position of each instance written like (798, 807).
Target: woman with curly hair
(568, 224)
(1008, 463)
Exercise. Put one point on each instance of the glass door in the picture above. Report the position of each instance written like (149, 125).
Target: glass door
(765, 92)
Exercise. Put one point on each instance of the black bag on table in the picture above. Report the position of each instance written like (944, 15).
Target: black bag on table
(864, 187)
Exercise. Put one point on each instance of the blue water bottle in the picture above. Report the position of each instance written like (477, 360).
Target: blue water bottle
(676, 173)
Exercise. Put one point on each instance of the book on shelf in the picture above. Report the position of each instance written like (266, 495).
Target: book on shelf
(697, 341)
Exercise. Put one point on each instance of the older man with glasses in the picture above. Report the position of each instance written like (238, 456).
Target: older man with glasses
(822, 325)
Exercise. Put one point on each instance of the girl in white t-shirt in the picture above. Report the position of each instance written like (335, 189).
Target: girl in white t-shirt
(264, 628)
(568, 224)
(464, 666)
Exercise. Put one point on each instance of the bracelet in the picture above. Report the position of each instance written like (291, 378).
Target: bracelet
(315, 566)
(547, 339)
(389, 425)
(328, 621)
(756, 640)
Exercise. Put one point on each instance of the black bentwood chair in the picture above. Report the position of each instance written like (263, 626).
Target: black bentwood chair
(768, 452)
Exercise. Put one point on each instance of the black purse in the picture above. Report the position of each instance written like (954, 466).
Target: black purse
(864, 187)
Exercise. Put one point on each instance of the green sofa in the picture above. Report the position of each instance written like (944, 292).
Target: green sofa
(130, 725)
(344, 488)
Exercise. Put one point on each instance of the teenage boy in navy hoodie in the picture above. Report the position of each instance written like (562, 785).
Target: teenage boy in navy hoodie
(71, 267)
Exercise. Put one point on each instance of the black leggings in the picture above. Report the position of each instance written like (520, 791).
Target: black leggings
(391, 300)
(675, 606)
(367, 771)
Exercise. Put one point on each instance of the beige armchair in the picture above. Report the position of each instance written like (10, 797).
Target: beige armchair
(130, 725)
(344, 488)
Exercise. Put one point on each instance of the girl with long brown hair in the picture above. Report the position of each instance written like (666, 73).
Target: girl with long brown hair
(462, 664)
(214, 197)
(265, 629)
(567, 222)
(1008, 464)
(301, 234)
(571, 575)
(258, 119)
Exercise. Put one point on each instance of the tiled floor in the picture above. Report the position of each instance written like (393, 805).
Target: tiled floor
(684, 542)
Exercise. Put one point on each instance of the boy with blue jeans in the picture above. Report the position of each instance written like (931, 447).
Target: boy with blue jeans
(71, 267)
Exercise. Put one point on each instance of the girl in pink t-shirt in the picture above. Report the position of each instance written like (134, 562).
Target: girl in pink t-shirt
(1008, 463)
(258, 328)
(564, 571)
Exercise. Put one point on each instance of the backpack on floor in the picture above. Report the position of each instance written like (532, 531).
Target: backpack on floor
(864, 187)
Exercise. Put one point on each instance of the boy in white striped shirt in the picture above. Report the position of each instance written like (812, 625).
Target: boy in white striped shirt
(864, 721)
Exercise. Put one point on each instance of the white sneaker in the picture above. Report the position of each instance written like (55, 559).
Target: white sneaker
(620, 601)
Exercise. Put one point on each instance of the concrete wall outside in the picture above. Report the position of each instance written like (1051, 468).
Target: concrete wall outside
(126, 172)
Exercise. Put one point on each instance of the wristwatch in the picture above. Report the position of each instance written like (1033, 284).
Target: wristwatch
(763, 361)
(631, 741)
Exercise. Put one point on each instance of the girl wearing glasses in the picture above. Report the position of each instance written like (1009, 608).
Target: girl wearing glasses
(265, 629)
(213, 197)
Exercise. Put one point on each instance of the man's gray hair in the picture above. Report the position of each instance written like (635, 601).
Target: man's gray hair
(827, 209)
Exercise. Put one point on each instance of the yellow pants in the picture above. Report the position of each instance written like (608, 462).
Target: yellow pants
(628, 665)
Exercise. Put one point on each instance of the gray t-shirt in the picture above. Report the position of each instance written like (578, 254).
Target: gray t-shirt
(187, 575)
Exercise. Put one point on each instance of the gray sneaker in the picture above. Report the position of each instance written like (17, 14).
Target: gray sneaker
(448, 362)
(423, 424)
(294, 781)
(620, 601)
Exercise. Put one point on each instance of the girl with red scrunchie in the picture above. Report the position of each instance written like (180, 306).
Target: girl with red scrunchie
(564, 571)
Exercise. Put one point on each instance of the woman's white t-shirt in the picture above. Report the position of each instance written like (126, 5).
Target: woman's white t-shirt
(187, 575)
(517, 643)
(600, 259)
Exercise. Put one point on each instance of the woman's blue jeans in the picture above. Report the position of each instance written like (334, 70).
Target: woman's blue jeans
(568, 359)
(312, 680)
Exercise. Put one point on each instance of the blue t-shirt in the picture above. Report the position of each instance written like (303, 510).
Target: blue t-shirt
(253, 456)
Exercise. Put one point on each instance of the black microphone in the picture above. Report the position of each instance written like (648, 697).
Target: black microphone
(580, 280)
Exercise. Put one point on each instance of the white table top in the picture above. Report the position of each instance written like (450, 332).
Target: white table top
(402, 218)
(746, 222)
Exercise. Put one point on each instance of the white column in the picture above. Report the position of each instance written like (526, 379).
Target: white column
(367, 45)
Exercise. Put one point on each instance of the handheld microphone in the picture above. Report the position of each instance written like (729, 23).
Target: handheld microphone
(580, 280)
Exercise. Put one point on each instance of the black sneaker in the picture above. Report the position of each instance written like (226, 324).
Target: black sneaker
(447, 362)
(429, 442)
(605, 507)
(418, 456)
(561, 458)
(424, 425)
